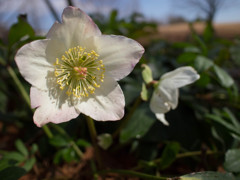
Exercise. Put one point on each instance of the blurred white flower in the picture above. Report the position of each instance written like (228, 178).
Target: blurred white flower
(76, 69)
(165, 95)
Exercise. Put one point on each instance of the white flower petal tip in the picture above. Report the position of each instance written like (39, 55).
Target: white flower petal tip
(76, 69)
(121, 56)
(165, 95)
(107, 104)
(32, 63)
(161, 117)
(180, 77)
(50, 109)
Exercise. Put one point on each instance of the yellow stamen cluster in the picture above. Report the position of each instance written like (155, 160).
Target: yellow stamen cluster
(79, 71)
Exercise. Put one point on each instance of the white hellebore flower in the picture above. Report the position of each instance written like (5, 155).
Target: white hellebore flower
(76, 69)
(165, 95)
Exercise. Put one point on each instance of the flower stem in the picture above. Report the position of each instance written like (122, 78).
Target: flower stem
(74, 145)
(93, 134)
(47, 131)
(25, 96)
(195, 153)
(132, 173)
(19, 85)
(178, 156)
(128, 117)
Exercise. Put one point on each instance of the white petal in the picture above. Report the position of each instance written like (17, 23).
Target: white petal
(119, 54)
(76, 27)
(33, 64)
(161, 117)
(106, 104)
(50, 108)
(171, 94)
(179, 77)
(159, 102)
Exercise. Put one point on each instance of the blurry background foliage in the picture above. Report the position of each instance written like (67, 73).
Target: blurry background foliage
(204, 131)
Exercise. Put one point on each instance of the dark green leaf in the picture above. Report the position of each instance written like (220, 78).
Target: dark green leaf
(112, 19)
(204, 80)
(232, 160)
(3, 101)
(12, 173)
(228, 125)
(34, 148)
(234, 50)
(58, 141)
(4, 163)
(233, 119)
(208, 33)
(69, 154)
(169, 154)
(138, 125)
(58, 156)
(131, 90)
(83, 143)
(187, 58)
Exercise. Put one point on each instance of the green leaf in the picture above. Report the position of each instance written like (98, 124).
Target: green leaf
(58, 141)
(19, 30)
(208, 175)
(192, 49)
(204, 80)
(208, 33)
(21, 147)
(69, 154)
(113, 19)
(187, 57)
(232, 128)
(169, 154)
(29, 164)
(12, 173)
(66, 154)
(34, 148)
(131, 89)
(233, 119)
(224, 78)
(58, 156)
(202, 63)
(4, 163)
(138, 125)
(147, 74)
(105, 140)
(232, 160)
(234, 50)
(83, 143)
(3, 100)
(19, 157)
(144, 92)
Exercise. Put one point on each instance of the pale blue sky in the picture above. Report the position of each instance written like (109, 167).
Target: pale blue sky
(159, 10)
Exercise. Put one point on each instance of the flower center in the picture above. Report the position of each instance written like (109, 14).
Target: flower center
(79, 71)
